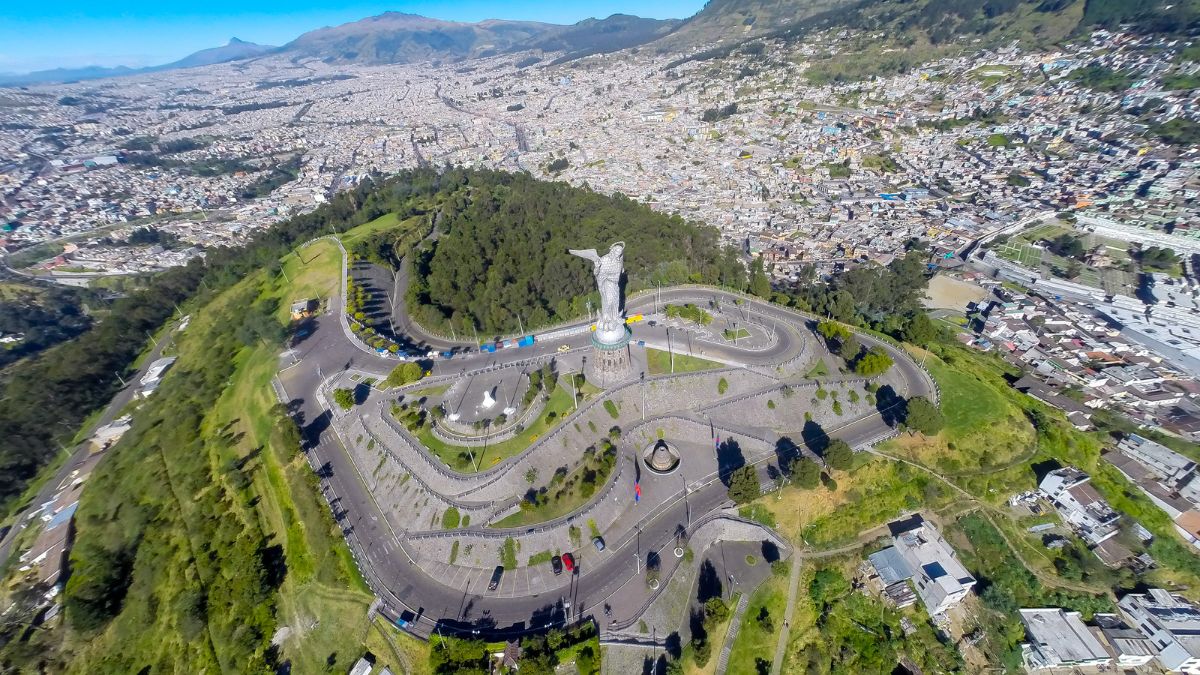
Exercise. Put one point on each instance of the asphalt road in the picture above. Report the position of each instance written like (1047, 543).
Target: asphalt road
(81, 451)
(401, 583)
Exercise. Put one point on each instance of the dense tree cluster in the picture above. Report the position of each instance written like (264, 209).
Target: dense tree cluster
(344, 398)
(760, 283)
(501, 252)
(839, 455)
(744, 485)
(718, 114)
(923, 416)
(1158, 259)
(1067, 246)
(39, 319)
(405, 373)
(857, 633)
(869, 291)
(540, 652)
(872, 362)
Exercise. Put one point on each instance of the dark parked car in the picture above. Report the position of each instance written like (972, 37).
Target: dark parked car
(496, 574)
(556, 563)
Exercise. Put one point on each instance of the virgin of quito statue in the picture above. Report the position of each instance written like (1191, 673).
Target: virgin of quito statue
(610, 362)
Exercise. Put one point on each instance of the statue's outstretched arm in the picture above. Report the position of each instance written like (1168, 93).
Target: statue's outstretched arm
(588, 254)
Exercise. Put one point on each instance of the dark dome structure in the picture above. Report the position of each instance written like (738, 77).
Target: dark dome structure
(661, 457)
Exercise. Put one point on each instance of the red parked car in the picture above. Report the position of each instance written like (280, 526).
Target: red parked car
(569, 562)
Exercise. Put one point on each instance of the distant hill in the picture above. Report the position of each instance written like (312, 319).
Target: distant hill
(64, 75)
(735, 20)
(725, 22)
(233, 51)
(395, 37)
(602, 36)
(887, 37)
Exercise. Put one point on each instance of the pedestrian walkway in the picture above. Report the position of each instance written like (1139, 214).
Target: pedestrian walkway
(731, 635)
(793, 585)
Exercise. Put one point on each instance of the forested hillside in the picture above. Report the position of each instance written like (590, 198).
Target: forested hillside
(500, 252)
(47, 397)
(38, 318)
(202, 531)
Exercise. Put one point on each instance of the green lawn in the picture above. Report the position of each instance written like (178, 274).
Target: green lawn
(658, 362)
(1020, 252)
(819, 370)
(986, 426)
(757, 639)
(731, 335)
(396, 650)
(380, 224)
(971, 407)
(458, 458)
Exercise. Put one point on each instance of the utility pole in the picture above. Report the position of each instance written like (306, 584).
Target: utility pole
(284, 273)
(574, 394)
(123, 382)
(670, 351)
(521, 324)
(686, 507)
(643, 396)
(152, 338)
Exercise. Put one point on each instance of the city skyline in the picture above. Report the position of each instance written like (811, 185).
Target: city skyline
(76, 34)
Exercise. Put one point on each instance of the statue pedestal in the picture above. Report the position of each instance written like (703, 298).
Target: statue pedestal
(609, 363)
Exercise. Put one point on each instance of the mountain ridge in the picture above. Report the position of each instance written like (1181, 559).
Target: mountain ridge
(396, 37)
(234, 50)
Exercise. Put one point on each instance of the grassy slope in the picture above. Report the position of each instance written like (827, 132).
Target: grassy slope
(986, 427)
(322, 599)
(752, 640)
(383, 223)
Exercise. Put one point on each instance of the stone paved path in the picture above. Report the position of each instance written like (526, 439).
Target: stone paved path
(731, 635)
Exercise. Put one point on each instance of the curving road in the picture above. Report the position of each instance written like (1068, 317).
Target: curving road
(446, 604)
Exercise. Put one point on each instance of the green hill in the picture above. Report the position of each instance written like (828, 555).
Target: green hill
(500, 252)
(893, 36)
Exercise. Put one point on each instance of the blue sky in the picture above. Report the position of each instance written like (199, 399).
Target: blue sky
(35, 34)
